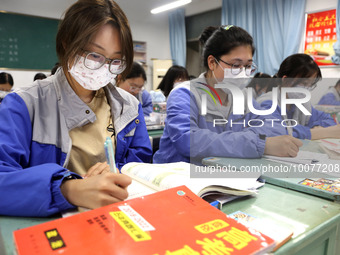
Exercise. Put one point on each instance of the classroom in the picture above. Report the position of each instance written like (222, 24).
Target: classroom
(170, 127)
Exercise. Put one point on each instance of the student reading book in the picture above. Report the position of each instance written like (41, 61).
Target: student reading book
(173, 221)
(149, 178)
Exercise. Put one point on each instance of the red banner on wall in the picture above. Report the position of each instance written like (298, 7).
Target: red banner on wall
(320, 36)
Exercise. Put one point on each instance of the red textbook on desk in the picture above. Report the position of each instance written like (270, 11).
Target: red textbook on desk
(173, 221)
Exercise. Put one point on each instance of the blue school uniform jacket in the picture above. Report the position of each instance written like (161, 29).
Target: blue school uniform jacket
(190, 135)
(305, 122)
(144, 98)
(35, 143)
(332, 97)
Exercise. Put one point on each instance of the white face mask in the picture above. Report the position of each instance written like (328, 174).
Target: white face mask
(297, 95)
(91, 79)
(3, 94)
(239, 80)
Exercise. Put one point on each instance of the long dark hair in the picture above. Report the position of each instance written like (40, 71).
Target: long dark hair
(298, 66)
(174, 73)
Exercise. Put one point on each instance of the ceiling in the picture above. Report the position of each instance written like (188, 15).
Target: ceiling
(139, 10)
(136, 10)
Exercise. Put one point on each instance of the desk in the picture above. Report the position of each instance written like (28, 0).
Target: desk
(155, 133)
(9, 224)
(315, 221)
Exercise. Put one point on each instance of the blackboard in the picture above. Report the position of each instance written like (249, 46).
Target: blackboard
(27, 42)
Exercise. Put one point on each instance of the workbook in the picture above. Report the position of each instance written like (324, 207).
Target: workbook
(149, 178)
(173, 221)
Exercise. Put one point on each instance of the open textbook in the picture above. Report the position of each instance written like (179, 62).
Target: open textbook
(149, 178)
(331, 147)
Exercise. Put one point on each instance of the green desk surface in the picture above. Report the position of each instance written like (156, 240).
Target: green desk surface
(287, 180)
(313, 220)
(155, 133)
(9, 224)
(313, 215)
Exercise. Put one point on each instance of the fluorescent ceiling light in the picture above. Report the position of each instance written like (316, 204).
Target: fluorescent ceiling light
(170, 6)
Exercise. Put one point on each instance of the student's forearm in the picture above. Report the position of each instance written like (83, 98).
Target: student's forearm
(328, 132)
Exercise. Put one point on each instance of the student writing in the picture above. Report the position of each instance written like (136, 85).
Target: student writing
(300, 71)
(190, 135)
(60, 123)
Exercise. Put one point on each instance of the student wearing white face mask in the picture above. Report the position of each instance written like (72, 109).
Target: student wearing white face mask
(300, 71)
(53, 132)
(193, 107)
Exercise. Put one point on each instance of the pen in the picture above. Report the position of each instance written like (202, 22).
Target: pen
(110, 157)
(335, 118)
(290, 129)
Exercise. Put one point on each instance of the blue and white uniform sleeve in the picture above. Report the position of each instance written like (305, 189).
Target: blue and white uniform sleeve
(136, 147)
(25, 190)
(190, 140)
(147, 103)
(318, 118)
(329, 99)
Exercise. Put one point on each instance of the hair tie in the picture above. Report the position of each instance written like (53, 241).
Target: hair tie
(227, 27)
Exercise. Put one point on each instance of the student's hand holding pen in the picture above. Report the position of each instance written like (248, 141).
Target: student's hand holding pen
(282, 146)
(99, 168)
(96, 191)
(104, 167)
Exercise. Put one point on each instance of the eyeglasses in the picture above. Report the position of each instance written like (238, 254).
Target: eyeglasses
(310, 88)
(134, 88)
(306, 83)
(95, 61)
(236, 68)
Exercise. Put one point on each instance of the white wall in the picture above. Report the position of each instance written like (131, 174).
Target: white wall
(157, 41)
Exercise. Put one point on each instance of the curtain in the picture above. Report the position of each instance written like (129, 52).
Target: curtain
(177, 36)
(270, 22)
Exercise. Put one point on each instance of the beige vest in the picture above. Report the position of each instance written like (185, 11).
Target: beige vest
(88, 141)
